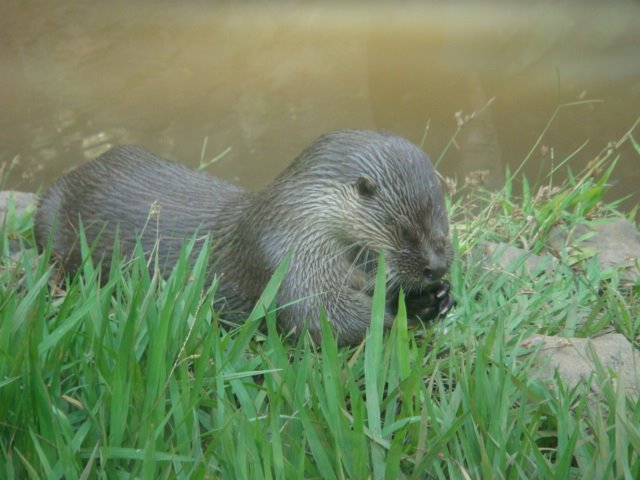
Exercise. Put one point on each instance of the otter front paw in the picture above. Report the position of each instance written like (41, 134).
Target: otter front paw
(430, 304)
(445, 300)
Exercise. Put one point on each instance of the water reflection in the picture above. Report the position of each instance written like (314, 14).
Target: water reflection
(264, 81)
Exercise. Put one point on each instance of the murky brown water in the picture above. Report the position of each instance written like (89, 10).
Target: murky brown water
(263, 82)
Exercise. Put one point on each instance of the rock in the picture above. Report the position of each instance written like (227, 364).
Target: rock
(616, 245)
(512, 259)
(573, 359)
(22, 202)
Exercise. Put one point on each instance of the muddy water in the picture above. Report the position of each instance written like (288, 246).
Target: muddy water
(258, 83)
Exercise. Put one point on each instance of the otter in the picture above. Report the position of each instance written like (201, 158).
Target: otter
(347, 197)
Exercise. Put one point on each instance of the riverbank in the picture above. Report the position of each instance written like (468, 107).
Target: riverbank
(140, 377)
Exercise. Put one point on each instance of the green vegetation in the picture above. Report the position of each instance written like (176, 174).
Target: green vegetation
(139, 378)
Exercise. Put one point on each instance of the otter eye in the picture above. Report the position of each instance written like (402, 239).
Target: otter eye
(366, 187)
(407, 235)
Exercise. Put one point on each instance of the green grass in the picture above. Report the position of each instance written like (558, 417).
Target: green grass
(140, 378)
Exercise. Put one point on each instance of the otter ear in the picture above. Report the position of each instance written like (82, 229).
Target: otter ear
(366, 187)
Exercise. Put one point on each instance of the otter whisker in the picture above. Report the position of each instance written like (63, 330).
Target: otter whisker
(353, 266)
(343, 286)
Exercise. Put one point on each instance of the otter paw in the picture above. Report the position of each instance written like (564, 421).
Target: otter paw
(445, 300)
(431, 304)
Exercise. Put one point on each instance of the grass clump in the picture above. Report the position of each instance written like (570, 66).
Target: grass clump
(135, 377)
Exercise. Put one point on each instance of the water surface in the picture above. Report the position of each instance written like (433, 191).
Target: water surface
(260, 82)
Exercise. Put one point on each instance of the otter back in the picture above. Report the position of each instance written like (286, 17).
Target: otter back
(132, 191)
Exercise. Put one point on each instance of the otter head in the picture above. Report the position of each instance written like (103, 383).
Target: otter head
(400, 211)
(402, 214)
(390, 201)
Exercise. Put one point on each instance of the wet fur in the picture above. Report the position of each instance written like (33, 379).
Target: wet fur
(349, 195)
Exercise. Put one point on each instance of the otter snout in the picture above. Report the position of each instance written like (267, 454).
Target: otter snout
(436, 266)
(433, 274)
